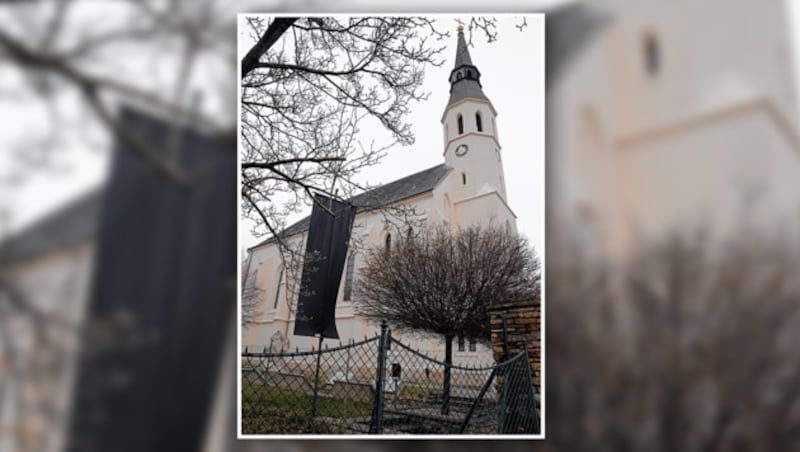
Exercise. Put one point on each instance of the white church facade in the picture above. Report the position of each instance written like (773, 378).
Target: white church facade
(468, 188)
(663, 119)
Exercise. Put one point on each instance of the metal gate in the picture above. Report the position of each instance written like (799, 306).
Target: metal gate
(382, 386)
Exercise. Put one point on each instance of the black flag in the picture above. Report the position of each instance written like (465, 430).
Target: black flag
(326, 251)
(160, 303)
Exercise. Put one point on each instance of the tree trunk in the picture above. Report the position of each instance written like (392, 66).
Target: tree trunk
(448, 359)
(277, 28)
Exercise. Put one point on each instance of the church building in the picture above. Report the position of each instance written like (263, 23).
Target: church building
(467, 188)
(662, 120)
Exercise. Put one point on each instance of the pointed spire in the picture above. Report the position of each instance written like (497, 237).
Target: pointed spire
(462, 51)
(465, 78)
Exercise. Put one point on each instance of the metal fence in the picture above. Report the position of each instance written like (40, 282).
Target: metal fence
(382, 386)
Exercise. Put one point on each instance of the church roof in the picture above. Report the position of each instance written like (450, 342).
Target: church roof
(570, 29)
(392, 192)
(464, 83)
(71, 225)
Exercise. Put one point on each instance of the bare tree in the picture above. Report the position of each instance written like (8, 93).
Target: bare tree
(252, 297)
(688, 346)
(69, 69)
(309, 84)
(442, 283)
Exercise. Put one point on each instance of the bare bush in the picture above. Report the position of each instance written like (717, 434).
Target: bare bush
(442, 283)
(685, 347)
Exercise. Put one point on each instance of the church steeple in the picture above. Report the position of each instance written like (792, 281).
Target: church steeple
(465, 78)
(471, 146)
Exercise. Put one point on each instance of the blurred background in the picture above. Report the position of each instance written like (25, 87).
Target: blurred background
(671, 281)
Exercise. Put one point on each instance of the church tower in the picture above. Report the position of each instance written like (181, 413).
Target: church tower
(471, 145)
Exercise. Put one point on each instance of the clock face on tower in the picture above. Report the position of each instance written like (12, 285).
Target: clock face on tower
(461, 150)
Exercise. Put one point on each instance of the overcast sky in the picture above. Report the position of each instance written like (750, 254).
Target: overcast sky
(512, 75)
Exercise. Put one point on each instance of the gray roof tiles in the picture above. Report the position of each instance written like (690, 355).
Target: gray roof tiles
(73, 224)
(462, 52)
(412, 185)
(570, 29)
(464, 87)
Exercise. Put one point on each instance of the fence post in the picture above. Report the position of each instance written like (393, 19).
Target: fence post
(347, 366)
(504, 316)
(485, 387)
(504, 399)
(316, 385)
(376, 426)
(536, 423)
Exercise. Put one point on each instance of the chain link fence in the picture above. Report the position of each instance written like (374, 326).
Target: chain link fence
(382, 386)
(283, 394)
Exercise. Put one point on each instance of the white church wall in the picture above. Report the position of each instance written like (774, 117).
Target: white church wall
(58, 285)
(699, 63)
(633, 150)
(371, 228)
(580, 156)
(741, 170)
(485, 209)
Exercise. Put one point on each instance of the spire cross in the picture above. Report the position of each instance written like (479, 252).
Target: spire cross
(460, 26)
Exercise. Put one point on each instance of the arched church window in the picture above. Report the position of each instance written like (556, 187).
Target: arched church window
(460, 124)
(463, 178)
(388, 242)
(478, 121)
(348, 276)
(278, 291)
(652, 53)
(469, 73)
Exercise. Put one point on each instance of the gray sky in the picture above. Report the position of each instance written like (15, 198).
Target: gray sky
(512, 75)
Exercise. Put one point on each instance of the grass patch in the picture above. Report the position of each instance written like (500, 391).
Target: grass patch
(269, 409)
(416, 392)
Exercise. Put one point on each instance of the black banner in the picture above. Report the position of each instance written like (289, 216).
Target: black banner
(326, 252)
(162, 299)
